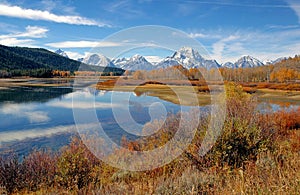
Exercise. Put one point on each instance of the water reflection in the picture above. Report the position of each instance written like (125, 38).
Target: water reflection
(34, 115)
(43, 116)
(265, 107)
(32, 94)
(24, 111)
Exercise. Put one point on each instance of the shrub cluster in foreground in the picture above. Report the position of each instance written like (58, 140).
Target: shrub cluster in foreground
(256, 153)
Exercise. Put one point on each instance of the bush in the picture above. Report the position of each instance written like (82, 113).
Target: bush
(38, 170)
(10, 173)
(242, 139)
(238, 143)
(76, 166)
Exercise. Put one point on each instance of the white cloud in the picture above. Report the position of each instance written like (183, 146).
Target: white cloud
(16, 42)
(30, 32)
(219, 46)
(83, 44)
(21, 38)
(20, 135)
(197, 35)
(19, 12)
(34, 32)
(261, 44)
(74, 55)
(25, 111)
(63, 6)
(84, 105)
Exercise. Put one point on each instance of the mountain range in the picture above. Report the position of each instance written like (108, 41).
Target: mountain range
(186, 56)
(19, 59)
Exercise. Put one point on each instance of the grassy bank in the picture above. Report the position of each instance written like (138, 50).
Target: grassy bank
(171, 90)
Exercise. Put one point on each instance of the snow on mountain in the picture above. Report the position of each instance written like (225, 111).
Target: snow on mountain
(62, 53)
(167, 62)
(153, 59)
(268, 62)
(98, 60)
(119, 62)
(279, 60)
(247, 62)
(187, 57)
(228, 65)
(136, 62)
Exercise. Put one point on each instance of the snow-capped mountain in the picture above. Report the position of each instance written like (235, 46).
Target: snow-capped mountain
(62, 53)
(119, 62)
(187, 57)
(167, 62)
(98, 60)
(228, 65)
(247, 62)
(136, 62)
(279, 60)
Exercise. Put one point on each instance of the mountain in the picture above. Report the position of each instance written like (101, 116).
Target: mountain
(279, 60)
(289, 63)
(119, 62)
(228, 65)
(188, 58)
(80, 59)
(167, 62)
(136, 62)
(62, 53)
(247, 62)
(98, 60)
(268, 62)
(20, 61)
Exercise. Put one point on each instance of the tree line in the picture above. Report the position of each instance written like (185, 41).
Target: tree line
(287, 70)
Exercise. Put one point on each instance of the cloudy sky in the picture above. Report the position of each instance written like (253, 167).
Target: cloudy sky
(228, 29)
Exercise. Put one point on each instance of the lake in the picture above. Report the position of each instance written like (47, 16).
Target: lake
(42, 117)
(34, 117)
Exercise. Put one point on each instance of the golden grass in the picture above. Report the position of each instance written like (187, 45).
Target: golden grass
(183, 95)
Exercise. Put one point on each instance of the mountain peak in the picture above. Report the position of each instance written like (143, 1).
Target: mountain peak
(189, 58)
(187, 52)
(186, 49)
(98, 60)
(137, 57)
(59, 51)
(247, 62)
(136, 62)
(62, 53)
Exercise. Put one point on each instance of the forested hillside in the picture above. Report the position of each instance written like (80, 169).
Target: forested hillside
(21, 61)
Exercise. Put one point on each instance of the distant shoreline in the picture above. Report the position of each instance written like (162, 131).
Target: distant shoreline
(271, 92)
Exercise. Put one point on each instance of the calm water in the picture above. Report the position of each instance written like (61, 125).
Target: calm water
(41, 117)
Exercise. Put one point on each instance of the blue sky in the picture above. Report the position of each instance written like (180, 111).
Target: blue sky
(227, 29)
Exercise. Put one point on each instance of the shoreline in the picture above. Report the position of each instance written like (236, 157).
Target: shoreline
(168, 90)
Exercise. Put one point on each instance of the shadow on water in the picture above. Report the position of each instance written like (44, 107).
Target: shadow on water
(32, 94)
